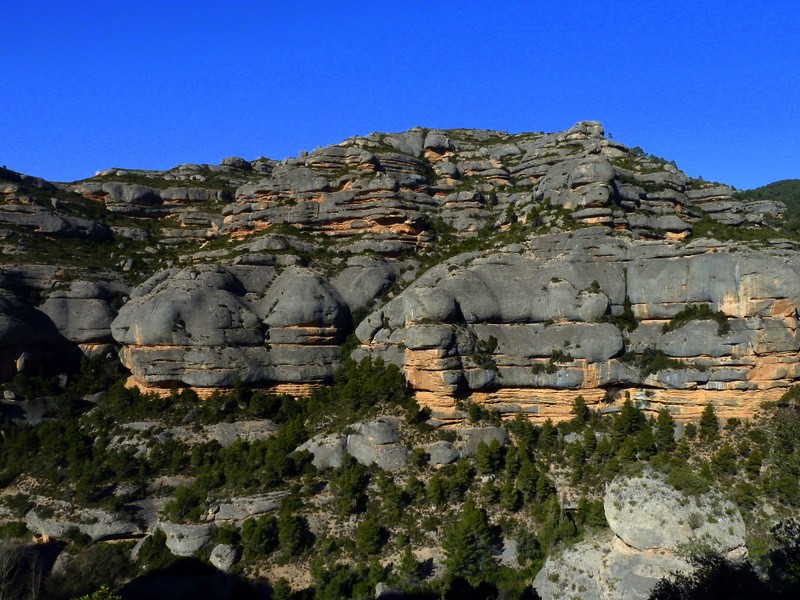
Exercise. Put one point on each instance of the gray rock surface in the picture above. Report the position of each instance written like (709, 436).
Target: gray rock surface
(377, 442)
(652, 526)
(328, 450)
(604, 569)
(442, 453)
(204, 326)
(472, 437)
(99, 524)
(647, 513)
(223, 557)
(186, 540)
(243, 507)
(82, 314)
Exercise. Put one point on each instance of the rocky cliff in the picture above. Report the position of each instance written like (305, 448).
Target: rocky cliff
(515, 270)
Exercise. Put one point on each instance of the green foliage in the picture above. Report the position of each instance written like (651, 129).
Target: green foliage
(484, 354)
(293, 534)
(724, 461)
(468, 546)
(349, 485)
(683, 478)
(708, 227)
(188, 504)
(629, 421)
(14, 530)
(786, 191)
(626, 320)
(698, 312)
(370, 536)
(709, 423)
(104, 593)
(665, 431)
(357, 388)
(489, 458)
(581, 410)
(154, 553)
(409, 568)
(651, 361)
(259, 537)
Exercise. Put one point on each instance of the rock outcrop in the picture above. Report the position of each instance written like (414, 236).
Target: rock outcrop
(374, 442)
(206, 326)
(527, 328)
(254, 270)
(653, 527)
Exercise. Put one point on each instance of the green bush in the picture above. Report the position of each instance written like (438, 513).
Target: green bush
(698, 312)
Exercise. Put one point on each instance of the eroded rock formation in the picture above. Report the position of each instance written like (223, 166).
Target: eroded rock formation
(527, 327)
(653, 528)
(546, 250)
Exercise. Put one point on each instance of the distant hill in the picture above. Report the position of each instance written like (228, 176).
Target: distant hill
(786, 191)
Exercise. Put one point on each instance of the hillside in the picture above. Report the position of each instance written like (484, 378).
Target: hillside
(429, 359)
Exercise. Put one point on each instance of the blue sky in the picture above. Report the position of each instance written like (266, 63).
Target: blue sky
(713, 85)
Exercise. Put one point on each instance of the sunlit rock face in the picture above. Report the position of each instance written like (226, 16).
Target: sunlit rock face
(529, 327)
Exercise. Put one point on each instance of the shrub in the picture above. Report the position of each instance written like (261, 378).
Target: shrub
(698, 312)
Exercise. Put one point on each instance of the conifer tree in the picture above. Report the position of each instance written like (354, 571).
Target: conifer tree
(665, 431)
(468, 546)
(581, 410)
(709, 423)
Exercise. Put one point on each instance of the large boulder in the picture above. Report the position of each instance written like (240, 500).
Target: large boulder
(186, 540)
(653, 527)
(647, 513)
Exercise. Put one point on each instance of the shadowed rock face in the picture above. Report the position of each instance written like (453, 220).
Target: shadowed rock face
(533, 320)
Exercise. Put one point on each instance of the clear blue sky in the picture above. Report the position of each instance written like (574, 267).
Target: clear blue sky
(713, 85)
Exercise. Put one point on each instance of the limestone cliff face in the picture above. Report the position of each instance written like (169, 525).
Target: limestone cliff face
(204, 327)
(529, 327)
(379, 192)
(256, 269)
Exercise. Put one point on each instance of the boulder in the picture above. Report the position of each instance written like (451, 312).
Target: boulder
(200, 326)
(603, 568)
(223, 557)
(652, 526)
(472, 437)
(647, 513)
(99, 524)
(240, 508)
(186, 540)
(442, 453)
(328, 450)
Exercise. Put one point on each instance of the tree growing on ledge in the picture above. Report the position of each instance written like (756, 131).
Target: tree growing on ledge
(709, 423)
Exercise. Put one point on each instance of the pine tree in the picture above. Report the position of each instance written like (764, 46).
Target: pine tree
(510, 496)
(631, 419)
(665, 431)
(468, 546)
(581, 410)
(369, 536)
(548, 435)
(526, 480)
(408, 569)
(489, 458)
(291, 534)
(709, 423)
(589, 442)
(645, 443)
